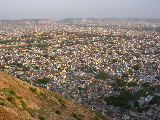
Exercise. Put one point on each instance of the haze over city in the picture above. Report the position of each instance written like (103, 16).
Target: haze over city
(60, 9)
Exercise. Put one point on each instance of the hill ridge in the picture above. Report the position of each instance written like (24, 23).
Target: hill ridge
(20, 100)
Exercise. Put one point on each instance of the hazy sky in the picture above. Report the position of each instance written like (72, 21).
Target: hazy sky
(60, 9)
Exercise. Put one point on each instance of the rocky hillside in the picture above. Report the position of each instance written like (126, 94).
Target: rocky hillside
(21, 101)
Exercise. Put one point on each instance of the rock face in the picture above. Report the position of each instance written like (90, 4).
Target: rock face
(21, 101)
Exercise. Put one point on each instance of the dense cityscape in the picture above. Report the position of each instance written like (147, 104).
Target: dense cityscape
(111, 66)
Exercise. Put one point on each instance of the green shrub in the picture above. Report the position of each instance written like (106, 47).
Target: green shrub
(58, 112)
(63, 106)
(41, 118)
(43, 95)
(33, 89)
(10, 99)
(78, 117)
(12, 92)
(2, 104)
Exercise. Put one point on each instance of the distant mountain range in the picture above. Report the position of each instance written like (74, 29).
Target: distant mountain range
(21, 101)
(75, 21)
(94, 20)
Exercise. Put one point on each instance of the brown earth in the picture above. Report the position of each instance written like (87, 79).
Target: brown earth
(21, 101)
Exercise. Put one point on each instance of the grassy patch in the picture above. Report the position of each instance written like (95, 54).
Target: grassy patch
(24, 105)
(52, 103)
(59, 97)
(11, 92)
(44, 95)
(30, 111)
(12, 101)
(34, 90)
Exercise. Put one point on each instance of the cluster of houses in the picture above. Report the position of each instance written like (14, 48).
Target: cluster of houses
(71, 63)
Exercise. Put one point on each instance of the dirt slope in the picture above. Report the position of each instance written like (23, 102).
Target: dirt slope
(21, 101)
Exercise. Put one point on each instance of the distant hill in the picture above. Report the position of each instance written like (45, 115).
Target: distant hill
(94, 20)
(21, 101)
(26, 21)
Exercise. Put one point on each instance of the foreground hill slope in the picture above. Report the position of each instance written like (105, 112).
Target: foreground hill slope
(21, 101)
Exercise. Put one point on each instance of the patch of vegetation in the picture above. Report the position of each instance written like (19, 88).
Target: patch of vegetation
(78, 117)
(125, 75)
(2, 104)
(33, 89)
(63, 106)
(41, 117)
(102, 75)
(24, 105)
(30, 111)
(58, 112)
(121, 100)
(42, 81)
(12, 92)
(136, 67)
(95, 119)
(132, 84)
(60, 100)
(43, 95)
(52, 103)
(10, 99)
(121, 83)
(59, 97)
(155, 100)
(146, 84)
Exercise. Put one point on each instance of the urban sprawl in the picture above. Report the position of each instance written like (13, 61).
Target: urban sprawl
(112, 67)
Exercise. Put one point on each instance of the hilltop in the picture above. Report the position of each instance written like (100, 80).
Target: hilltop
(19, 100)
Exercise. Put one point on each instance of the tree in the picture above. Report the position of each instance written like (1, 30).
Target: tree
(121, 101)
(140, 93)
(102, 75)
(113, 84)
(155, 100)
(136, 67)
(146, 84)
(132, 84)
(125, 75)
(125, 95)
(42, 81)
(45, 55)
(121, 83)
